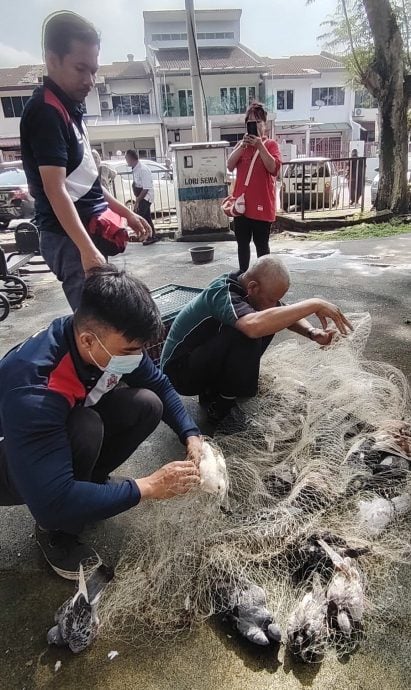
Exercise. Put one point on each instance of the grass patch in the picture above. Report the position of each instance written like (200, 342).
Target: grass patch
(363, 231)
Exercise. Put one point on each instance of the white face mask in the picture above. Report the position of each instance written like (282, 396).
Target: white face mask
(118, 364)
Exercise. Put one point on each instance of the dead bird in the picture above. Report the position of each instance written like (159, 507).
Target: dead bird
(307, 626)
(246, 609)
(345, 593)
(309, 556)
(213, 471)
(377, 513)
(77, 622)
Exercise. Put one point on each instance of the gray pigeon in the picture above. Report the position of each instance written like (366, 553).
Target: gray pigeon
(307, 625)
(76, 620)
(248, 612)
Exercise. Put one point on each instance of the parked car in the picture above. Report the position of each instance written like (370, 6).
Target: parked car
(164, 196)
(376, 180)
(322, 183)
(15, 199)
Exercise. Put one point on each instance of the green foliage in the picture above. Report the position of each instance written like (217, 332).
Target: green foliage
(352, 41)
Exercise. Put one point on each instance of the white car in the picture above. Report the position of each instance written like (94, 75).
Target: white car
(164, 196)
(322, 184)
(376, 180)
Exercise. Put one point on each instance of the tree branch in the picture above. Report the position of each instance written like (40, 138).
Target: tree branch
(407, 33)
(350, 36)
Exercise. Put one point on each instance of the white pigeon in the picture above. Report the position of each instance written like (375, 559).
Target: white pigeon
(376, 514)
(213, 471)
(307, 625)
(77, 622)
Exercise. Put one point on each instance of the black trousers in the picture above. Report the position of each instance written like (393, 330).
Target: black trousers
(228, 363)
(246, 229)
(101, 437)
(144, 210)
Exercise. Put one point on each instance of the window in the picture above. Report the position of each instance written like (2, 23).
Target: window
(185, 102)
(330, 95)
(138, 104)
(13, 105)
(236, 99)
(285, 100)
(169, 37)
(363, 99)
(201, 35)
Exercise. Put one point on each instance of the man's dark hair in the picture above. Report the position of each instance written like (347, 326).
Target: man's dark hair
(132, 153)
(62, 28)
(258, 110)
(114, 299)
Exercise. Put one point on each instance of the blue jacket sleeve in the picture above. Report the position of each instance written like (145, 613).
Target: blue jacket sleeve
(40, 464)
(174, 413)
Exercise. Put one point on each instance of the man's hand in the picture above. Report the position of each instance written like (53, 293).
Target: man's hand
(91, 257)
(326, 310)
(174, 479)
(322, 337)
(194, 446)
(139, 226)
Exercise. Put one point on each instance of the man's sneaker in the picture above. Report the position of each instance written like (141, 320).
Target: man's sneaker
(236, 422)
(151, 240)
(64, 553)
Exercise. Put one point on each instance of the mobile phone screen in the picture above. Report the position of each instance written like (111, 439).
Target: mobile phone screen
(252, 128)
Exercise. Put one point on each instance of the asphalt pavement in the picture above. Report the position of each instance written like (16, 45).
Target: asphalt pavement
(369, 275)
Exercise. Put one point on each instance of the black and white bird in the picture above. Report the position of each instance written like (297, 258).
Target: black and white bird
(77, 622)
(307, 625)
(247, 610)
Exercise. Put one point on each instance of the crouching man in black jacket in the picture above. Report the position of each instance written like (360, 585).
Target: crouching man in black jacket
(66, 423)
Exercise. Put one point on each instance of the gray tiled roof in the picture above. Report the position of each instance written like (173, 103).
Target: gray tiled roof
(302, 64)
(30, 74)
(225, 59)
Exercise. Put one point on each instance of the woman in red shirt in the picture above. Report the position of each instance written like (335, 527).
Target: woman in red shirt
(260, 192)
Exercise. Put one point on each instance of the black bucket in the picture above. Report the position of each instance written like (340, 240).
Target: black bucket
(202, 255)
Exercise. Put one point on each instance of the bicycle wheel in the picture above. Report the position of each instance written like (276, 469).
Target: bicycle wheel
(4, 307)
(15, 289)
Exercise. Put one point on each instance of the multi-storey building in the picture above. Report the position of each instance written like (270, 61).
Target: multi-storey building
(147, 104)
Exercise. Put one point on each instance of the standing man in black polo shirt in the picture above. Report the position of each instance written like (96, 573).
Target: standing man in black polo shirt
(57, 157)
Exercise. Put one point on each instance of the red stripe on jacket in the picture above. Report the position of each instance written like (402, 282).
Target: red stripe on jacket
(64, 380)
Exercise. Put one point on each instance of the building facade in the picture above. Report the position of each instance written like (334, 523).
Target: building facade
(147, 104)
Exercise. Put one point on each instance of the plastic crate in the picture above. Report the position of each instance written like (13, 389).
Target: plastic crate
(170, 300)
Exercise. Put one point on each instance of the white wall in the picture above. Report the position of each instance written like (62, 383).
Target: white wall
(302, 87)
(180, 27)
(93, 103)
(10, 126)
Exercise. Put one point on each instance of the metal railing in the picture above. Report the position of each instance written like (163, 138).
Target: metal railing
(322, 186)
(163, 207)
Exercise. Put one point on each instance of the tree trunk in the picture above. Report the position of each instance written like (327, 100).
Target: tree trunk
(385, 80)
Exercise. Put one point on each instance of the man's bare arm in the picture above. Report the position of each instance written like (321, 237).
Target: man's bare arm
(270, 321)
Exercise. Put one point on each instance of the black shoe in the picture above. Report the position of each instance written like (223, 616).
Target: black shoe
(219, 408)
(206, 398)
(151, 240)
(236, 422)
(64, 553)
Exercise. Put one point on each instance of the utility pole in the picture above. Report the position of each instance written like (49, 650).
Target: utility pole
(199, 119)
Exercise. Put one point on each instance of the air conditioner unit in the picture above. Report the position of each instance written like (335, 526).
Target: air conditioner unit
(105, 105)
(358, 112)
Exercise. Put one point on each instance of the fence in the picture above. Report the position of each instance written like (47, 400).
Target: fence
(163, 208)
(322, 185)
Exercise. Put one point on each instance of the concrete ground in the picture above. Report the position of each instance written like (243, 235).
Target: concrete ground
(372, 275)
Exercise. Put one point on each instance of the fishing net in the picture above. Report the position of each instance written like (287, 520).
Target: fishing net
(309, 457)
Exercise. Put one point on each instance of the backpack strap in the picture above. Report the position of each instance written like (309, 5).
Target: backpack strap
(250, 169)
